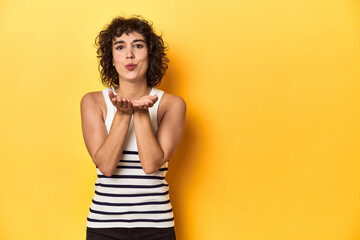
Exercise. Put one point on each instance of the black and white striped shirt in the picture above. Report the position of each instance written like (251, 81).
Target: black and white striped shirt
(130, 198)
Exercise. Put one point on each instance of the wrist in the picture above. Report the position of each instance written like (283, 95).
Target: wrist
(141, 112)
(123, 114)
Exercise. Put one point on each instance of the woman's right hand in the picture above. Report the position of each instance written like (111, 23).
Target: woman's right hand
(123, 105)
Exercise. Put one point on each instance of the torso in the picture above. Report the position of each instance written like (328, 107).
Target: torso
(105, 193)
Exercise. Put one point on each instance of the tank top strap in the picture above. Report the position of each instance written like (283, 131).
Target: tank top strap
(110, 113)
(154, 109)
(159, 93)
(106, 96)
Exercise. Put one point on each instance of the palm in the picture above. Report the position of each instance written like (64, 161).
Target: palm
(123, 105)
(144, 103)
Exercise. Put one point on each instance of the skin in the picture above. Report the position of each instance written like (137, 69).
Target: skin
(132, 99)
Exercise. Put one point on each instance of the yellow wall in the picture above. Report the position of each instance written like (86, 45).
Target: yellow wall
(271, 144)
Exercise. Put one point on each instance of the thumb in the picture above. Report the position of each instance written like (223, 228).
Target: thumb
(154, 98)
(111, 94)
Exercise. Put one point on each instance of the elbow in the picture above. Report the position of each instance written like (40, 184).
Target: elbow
(153, 163)
(150, 168)
(149, 171)
(105, 170)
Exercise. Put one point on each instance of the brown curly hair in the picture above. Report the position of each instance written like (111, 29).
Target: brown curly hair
(157, 63)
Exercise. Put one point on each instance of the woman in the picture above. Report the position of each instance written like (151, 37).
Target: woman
(130, 130)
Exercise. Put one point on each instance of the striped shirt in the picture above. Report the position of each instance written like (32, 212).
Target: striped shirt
(130, 198)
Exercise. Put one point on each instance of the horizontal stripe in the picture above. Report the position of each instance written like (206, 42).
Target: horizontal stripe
(129, 212)
(130, 195)
(132, 176)
(130, 152)
(130, 186)
(138, 167)
(131, 167)
(130, 204)
(130, 181)
(132, 220)
(130, 161)
(107, 208)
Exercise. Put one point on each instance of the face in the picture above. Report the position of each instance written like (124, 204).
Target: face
(130, 49)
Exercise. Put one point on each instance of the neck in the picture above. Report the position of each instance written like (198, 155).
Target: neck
(132, 90)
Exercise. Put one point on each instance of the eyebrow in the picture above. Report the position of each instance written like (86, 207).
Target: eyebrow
(136, 40)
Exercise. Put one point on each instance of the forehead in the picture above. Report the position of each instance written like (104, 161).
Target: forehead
(129, 37)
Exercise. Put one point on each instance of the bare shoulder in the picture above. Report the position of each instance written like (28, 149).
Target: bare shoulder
(94, 101)
(171, 101)
(91, 96)
(172, 104)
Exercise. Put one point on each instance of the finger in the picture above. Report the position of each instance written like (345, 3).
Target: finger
(139, 106)
(144, 104)
(113, 101)
(129, 104)
(111, 94)
(134, 103)
(119, 102)
(149, 104)
(125, 103)
(154, 98)
(149, 100)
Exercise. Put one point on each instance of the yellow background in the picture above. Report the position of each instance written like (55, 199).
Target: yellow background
(271, 144)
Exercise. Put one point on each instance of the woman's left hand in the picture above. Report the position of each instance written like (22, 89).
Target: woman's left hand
(144, 103)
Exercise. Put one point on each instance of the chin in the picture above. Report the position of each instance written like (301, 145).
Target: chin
(132, 79)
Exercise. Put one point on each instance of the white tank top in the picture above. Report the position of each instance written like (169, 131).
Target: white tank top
(131, 198)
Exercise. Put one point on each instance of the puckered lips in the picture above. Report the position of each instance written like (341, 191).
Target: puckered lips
(130, 66)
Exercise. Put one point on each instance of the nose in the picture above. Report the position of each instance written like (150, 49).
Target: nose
(130, 53)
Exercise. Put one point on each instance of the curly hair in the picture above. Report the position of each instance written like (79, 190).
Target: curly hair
(157, 63)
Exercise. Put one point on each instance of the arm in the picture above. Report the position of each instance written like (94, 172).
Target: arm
(154, 151)
(104, 149)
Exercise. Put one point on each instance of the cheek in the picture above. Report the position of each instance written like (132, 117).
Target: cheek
(145, 60)
(146, 64)
(144, 54)
(117, 56)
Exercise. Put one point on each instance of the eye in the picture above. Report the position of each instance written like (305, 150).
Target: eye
(139, 46)
(119, 47)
